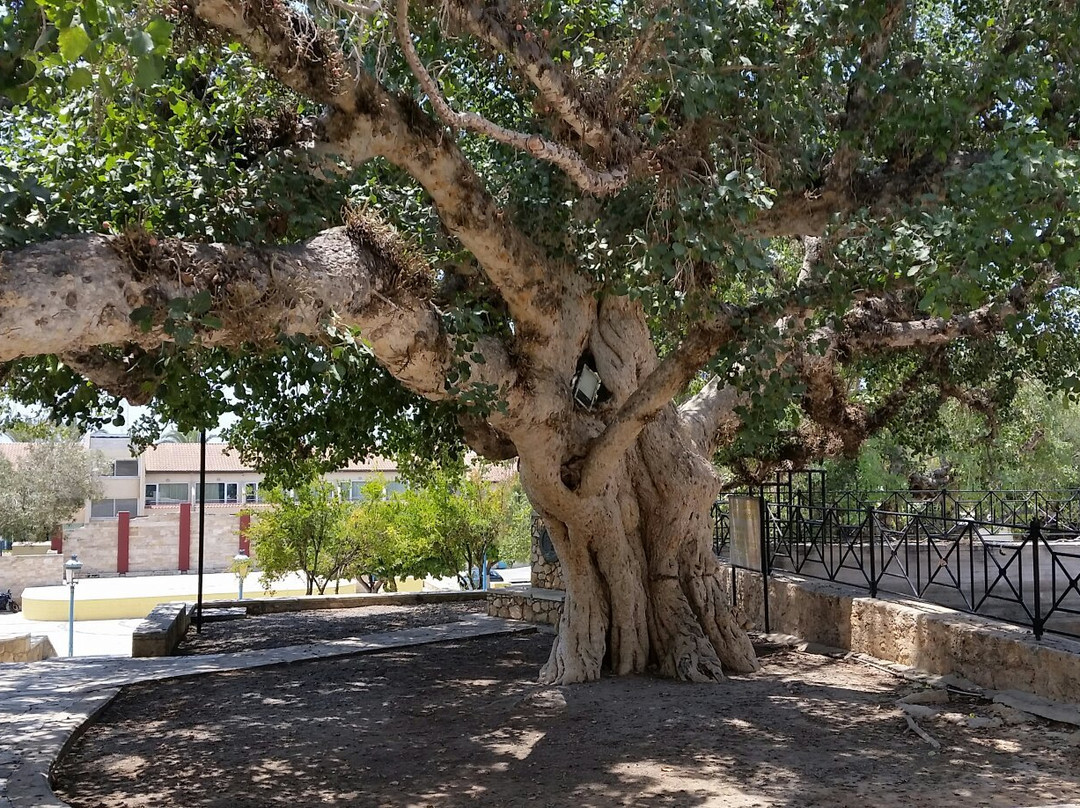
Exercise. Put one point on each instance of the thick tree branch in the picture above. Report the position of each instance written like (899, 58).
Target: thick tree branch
(655, 392)
(559, 90)
(710, 415)
(364, 121)
(861, 334)
(129, 374)
(884, 192)
(299, 53)
(860, 100)
(71, 297)
(599, 183)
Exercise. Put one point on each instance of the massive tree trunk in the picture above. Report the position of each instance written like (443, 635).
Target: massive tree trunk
(643, 590)
(642, 584)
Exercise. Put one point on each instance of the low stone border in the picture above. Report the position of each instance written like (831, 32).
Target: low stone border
(161, 631)
(534, 605)
(931, 638)
(311, 602)
(26, 648)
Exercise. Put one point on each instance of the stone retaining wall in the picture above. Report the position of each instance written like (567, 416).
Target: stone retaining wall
(25, 648)
(931, 638)
(17, 572)
(532, 605)
(309, 602)
(161, 630)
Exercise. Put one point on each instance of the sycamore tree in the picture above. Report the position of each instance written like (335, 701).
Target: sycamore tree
(617, 241)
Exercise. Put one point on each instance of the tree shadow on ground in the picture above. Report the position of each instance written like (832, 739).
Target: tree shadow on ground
(320, 625)
(461, 723)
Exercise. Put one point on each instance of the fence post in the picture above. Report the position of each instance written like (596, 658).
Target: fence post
(123, 539)
(245, 525)
(1035, 535)
(183, 556)
(765, 565)
(873, 560)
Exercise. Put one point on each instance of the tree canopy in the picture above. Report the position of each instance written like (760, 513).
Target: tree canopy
(700, 158)
(770, 230)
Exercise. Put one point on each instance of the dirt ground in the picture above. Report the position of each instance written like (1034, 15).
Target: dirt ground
(464, 723)
(296, 628)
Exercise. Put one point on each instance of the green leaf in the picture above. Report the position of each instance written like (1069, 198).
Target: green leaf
(73, 42)
(80, 79)
(142, 316)
(148, 72)
(140, 43)
(160, 31)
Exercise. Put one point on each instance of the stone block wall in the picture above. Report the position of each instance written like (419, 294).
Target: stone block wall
(25, 648)
(531, 605)
(17, 572)
(922, 635)
(154, 543)
(546, 569)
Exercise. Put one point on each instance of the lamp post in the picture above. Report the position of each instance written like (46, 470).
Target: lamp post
(241, 566)
(71, 568)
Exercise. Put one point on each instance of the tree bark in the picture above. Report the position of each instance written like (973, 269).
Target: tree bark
(643, 590)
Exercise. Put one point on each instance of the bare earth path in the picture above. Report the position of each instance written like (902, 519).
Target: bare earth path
(294, 628)
(464, 723)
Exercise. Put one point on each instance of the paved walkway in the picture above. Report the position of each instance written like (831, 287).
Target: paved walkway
(44, 706)
(92, 637)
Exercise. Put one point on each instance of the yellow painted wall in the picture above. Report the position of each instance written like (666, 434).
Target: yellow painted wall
(53, 607)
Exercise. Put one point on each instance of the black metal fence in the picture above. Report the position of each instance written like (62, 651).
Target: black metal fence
(1013, 556)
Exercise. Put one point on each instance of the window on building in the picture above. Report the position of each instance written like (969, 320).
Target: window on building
(124, 468)
(109, 508)
(251, 493)
(394, 487)
(215, 493)
(166, 493)
(220, 493)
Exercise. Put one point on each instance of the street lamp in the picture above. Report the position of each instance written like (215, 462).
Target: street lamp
(71, 568)
(241, 566)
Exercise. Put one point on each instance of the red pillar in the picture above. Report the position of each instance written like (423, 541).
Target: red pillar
(56, 540)
(123, 537)
(245, 544)
(184, 562)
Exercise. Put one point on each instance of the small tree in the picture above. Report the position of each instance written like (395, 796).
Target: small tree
(469, 522)
(304, 531)
(46, 487)
(385, 552)
(516, 543)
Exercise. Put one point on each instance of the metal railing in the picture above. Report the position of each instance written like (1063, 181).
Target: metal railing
(1012, 568)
